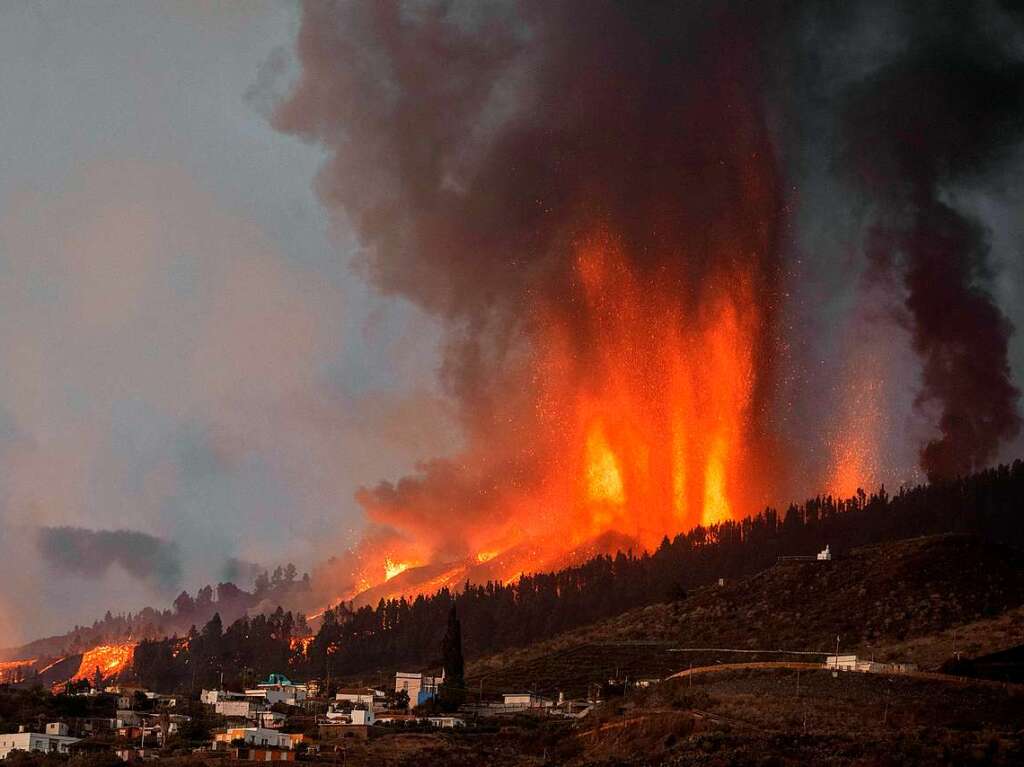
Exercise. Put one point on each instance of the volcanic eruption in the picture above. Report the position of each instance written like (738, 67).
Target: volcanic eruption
(600, 222)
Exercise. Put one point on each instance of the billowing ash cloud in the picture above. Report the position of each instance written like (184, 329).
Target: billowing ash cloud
(935, 120)
(90, 553)
(474, 145)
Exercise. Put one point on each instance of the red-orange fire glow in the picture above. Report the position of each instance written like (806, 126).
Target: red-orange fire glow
(111, 660)
(392, 568)
(12, 670)
(8, 665)
(646, 434)
(657, 435)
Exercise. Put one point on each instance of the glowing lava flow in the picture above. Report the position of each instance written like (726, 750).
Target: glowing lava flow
(13, 670)
(111, 660)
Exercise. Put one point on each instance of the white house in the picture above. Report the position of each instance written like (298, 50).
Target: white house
(825, 555)
(527, 700)
(54, 741)
(290, 694)
(240, 709)
(420, 687)
(358, 695)
(841, 662)
(446, 722)
(213, 697)
(361, 716)
(255, 736)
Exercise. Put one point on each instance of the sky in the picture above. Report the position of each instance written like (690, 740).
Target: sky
(186, 351)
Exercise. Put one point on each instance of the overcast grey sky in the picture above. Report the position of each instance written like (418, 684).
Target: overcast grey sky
(184, 349)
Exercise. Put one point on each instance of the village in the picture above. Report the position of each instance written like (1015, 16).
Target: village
(629, 686)
(282, 720)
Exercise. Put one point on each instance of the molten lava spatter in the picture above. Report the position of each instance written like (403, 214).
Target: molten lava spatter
(658, 426)
(646, 434)
(392, 568)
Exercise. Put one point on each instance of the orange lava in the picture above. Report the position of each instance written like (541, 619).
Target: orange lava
(658, 431)
(392, 568)
(9, 665)
(11, 670)
(111, 660)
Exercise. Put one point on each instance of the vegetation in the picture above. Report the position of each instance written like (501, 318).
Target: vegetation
(890, 602)
(493, 616)
(453, 691)
(227, 600)
(23, 706)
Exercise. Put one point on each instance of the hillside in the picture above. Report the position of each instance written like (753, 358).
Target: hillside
(782, 717)
(404, 633)
(877, 599)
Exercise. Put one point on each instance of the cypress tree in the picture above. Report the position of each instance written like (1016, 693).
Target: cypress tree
(453, 691)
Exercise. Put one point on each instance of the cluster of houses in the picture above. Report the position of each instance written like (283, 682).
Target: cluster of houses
(261, 722)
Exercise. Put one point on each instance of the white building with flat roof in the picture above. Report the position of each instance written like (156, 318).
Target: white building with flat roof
(841, 662)
(240, 709)
(289, 694)
(354, 695)
(256, 736)
(54, 741)
(527, 700)
(213, 697)
(420, 687)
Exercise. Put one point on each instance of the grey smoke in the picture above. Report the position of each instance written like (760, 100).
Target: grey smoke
(91, 553)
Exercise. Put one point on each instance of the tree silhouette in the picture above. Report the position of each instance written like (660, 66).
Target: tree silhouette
(453, 690)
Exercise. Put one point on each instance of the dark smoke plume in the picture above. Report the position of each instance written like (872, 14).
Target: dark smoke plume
(90, 553)
(938, 118)
(472, 143)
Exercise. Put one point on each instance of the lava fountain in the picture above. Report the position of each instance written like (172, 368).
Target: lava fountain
(653, 437)
(597, 222)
